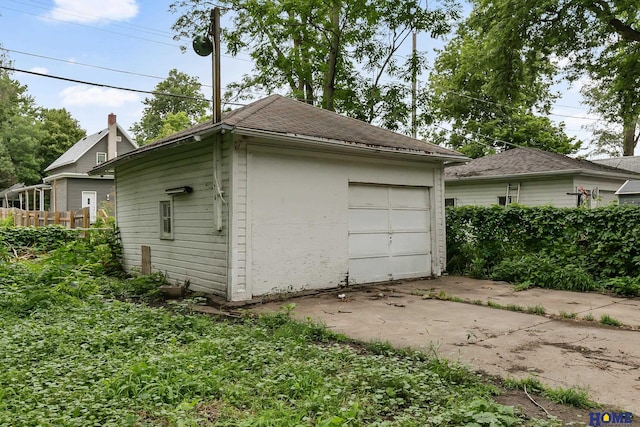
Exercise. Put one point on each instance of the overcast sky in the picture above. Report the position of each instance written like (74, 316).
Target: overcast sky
(55, 37)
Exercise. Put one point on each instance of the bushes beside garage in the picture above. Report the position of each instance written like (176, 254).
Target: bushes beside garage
(558, 248)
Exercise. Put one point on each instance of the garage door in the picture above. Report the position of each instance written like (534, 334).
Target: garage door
(389, 233)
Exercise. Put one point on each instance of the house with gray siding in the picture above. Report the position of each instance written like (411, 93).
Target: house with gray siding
(281, 196)
(533, 177)
(629, 193)
(72, 188)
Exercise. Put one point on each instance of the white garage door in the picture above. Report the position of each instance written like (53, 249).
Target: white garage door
(389, 233)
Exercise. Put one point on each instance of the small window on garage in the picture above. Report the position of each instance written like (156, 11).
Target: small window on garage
(101, 157)
(449, 202)
(166, 220)
(504, 200)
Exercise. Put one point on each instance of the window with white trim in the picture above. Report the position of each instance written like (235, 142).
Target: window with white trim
(101, 157)
(166, 220)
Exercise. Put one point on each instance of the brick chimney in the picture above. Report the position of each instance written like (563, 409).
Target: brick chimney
(112, 148)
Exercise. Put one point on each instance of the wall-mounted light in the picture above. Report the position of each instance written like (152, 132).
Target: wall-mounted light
(179, 190)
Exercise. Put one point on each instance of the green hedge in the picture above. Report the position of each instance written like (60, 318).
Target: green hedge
(561, 248)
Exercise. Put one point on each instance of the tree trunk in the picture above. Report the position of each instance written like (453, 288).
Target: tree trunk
(629, 142)
(332, 61)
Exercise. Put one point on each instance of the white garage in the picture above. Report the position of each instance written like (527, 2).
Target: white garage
(281, 196)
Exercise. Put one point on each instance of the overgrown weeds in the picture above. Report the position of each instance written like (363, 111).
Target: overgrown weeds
(69, 356)
(557, 248)
(567, 396)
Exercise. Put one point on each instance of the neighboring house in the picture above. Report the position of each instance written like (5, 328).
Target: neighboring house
(530, 176)
(629, 193)
(72, 188)
(630, 163)
(281, 196)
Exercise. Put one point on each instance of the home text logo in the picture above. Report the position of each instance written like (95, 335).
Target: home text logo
(610, 418)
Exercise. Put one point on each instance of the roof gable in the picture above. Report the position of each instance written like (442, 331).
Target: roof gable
(77, 150)
(526, 160)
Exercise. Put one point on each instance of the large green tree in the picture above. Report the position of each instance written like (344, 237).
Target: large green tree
(159, 113)
(341, 55)
(599, 39)
(60, 132)
(492, 105)
(19, 134)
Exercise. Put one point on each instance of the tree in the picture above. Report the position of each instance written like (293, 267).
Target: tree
(597, 38)
(188, 100)
(60, 132)
(19, 134)
(490, 110)
(337, 54)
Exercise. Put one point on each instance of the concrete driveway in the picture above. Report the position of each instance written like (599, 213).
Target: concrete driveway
(560, 352)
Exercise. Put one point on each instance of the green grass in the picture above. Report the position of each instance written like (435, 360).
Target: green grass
(566, 315)
(537, 309)
(605, 319)
(588, 317)
(71, 357)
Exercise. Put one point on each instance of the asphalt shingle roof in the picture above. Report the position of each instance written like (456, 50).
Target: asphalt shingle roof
(630, 187)
(525, 160)
(286, 116)
(631, 163)
(77, 150)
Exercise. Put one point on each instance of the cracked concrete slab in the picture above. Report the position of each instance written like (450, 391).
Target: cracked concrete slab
(559, 352)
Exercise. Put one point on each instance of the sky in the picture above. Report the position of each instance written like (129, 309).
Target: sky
(128, 43)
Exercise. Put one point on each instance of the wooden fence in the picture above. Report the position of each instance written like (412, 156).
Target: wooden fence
(70, 219)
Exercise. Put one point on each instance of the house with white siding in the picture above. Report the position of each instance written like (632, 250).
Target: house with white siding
(280, 196)
(533, 177)
(72, 188)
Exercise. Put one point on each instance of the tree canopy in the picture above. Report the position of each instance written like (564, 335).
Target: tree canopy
(341, 55)
(30, 137)
(597, 39)
(164, 114)
(489, 107)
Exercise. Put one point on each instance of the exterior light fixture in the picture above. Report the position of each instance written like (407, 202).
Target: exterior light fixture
(179, 190)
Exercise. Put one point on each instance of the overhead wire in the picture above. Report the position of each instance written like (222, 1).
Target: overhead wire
(67, 79)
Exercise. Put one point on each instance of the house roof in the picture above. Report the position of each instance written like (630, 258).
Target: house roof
(78, 149)
(529, 161)
(277, 115)
(631, 163)
(632, 186)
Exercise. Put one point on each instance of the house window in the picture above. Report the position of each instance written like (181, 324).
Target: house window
(166, 220)
(449, 202)
(504, 201)
(101, 157)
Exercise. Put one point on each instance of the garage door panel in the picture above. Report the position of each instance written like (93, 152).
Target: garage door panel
(406, 266)
(364, 270)
(409, 197)
(410, 219)
(410, 243)
(368, 195)
(365, 245)
(368, 219)
(389, 233)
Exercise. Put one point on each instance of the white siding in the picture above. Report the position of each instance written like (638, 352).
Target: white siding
(552, 191)
(606, 187)
(533, 192)
(297, 215)
(198, 252)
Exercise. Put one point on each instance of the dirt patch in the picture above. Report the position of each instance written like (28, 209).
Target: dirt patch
(567, 415)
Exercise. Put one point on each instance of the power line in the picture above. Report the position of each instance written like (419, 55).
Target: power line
(123, 34)
(480, 135)
(66, 79)
(89, 65)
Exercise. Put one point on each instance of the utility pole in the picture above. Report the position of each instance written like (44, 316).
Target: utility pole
(214, 33)
(414, 88)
